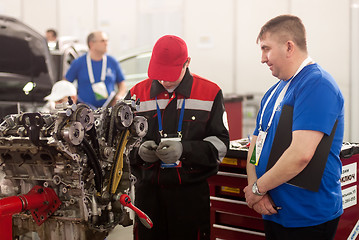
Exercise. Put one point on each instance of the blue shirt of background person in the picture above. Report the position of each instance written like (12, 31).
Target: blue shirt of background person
(97, 43)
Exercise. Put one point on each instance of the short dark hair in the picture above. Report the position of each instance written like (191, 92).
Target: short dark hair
(90, 38)
(287, 27)
(52, 31)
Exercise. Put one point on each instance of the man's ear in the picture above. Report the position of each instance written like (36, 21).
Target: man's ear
(188, 61)
(290, 47)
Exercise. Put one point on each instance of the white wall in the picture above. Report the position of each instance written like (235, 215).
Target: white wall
(209, 32)
(220, 35)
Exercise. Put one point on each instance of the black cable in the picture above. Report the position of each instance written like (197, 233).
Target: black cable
(94, 164)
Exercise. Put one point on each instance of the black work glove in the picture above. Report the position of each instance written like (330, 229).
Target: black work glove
(147, 151)
(169, 151)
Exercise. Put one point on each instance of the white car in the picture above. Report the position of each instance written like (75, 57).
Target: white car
(134, 66)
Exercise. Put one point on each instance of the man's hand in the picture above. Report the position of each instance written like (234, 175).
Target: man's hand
(169, 151)
(147, 151)
(265, 206)
(251, 198)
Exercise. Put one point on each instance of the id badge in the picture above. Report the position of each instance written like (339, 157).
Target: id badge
(178, 163)
(100, 90)
(259, 145)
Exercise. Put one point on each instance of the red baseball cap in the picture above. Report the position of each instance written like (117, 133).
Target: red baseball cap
(168, 56)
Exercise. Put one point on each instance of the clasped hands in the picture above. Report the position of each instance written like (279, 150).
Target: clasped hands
(261, 204)
(166, 151)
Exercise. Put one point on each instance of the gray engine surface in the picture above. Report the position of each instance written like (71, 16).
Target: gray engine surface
(80, 153)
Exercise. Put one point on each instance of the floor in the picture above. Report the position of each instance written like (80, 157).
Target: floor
(120, 233)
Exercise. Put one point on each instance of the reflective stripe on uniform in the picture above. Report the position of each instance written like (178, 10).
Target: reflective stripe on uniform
(193, 104)
(219, 145)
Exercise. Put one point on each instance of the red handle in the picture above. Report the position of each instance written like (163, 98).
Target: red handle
(125, 200)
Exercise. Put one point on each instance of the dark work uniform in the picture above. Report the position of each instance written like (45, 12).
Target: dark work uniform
(177, 199)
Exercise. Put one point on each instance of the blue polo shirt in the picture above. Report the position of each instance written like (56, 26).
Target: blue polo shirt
(78, 70)
(317, 103)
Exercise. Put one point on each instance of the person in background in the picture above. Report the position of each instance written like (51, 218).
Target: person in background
(97, 73)
(60, 93)
(289, 211)
(51, 37)
(187, 139)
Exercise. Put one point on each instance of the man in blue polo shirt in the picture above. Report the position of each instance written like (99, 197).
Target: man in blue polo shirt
(97, 73)
(289, 211)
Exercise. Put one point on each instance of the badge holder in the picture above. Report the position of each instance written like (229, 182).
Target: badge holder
(171, 137)
(178, 163)
(100, 90)
(258, 148)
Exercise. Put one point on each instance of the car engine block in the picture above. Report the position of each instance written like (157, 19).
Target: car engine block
(83, 155)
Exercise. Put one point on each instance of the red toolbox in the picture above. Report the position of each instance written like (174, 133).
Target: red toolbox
(233, 106)
(231, 219)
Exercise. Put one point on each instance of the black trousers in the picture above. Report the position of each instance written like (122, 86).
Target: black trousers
(324, 231)
(178, 212)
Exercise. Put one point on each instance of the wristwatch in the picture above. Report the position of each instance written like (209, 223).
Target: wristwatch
(255, 190)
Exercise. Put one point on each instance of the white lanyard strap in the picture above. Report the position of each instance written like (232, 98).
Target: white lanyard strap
(90, 71)
(281, 95)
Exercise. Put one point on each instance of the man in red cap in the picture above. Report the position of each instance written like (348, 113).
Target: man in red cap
(187, 139)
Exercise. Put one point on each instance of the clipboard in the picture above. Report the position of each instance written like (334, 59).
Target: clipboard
(311, 176)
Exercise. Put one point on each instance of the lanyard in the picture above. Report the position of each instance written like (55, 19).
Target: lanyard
(159, 117)
(90, 71)
(281, 95)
